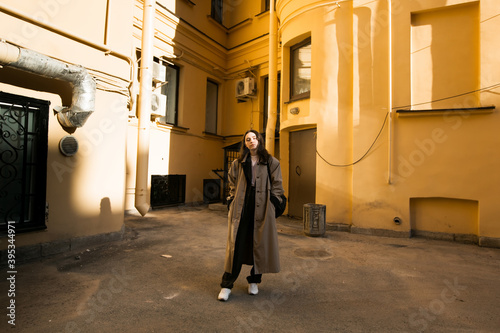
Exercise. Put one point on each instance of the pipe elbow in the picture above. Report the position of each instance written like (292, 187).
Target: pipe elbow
(83, 101)
(70, 117)
(84, 85)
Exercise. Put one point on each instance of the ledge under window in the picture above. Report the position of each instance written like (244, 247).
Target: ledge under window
(189, 2)
(217, 23)
(432, 112)
(240, 24)
(300, 97)
(262, 13)
(212, 135)
(172, 127)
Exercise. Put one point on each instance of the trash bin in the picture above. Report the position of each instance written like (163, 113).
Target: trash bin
(314, 219)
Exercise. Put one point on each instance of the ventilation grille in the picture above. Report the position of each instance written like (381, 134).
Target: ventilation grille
(68, 145)
(211, 190)
(167, 190)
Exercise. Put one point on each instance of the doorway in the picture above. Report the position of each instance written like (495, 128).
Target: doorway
(302, 186)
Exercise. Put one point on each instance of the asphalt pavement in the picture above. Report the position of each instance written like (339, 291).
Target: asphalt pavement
(164, 277)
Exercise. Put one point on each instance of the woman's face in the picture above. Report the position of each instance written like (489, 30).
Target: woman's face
(251, 141)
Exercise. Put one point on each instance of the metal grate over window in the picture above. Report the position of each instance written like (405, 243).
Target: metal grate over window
(167, 190)
(23, 161)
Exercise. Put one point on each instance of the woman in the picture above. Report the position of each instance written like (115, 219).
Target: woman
(254, 180)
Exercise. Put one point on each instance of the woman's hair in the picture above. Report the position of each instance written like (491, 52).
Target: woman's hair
(261, 148)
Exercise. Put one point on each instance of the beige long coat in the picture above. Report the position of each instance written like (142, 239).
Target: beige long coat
(265, 238)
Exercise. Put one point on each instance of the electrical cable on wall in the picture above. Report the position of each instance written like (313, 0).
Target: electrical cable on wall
(401, 107)
(362, 157)
(496, 85)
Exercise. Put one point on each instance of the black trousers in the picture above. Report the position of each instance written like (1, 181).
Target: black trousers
(243, 247)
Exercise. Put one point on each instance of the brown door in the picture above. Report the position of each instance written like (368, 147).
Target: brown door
(302, 173)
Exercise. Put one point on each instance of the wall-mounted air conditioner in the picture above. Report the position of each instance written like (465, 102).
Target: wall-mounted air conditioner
(158, 104)
(159, 72)
(245, 87)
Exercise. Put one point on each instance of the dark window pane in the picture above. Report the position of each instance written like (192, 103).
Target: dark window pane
(217, 10)
(211, 108)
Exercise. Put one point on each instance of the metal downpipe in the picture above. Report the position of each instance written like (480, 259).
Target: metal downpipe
(391, 113)
(144, 108)
(273, 79)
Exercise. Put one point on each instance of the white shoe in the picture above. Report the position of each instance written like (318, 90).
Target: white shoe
(224, 294)
(253, 289)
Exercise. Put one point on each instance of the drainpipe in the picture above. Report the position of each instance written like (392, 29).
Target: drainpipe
(390, 128)
(273, 79)
(144, 108)
(84, 86)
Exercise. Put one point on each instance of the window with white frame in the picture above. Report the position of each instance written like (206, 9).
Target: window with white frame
(300, 69)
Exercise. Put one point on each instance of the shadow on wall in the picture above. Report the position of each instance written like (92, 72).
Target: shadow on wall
(106, 214)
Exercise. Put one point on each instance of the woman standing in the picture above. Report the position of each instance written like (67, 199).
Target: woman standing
(255, 185)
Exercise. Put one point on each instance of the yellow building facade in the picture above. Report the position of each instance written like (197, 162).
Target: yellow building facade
(52, 51)
(387, 110)
(402, 98)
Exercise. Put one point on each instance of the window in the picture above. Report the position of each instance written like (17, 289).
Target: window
(266, 5)
(23, 162)
(166, 78)
(211, 107)
(300, 70)
(171, 90)
(216, 13)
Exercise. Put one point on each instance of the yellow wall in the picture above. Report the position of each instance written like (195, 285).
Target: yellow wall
(451, 154)
(85, 192)
(439, 49)
(203, 49)
(183, 149)
(330, 105)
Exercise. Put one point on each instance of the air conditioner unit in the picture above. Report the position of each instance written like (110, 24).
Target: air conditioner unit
(159, 72)
(158, 104)
(245, 87)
